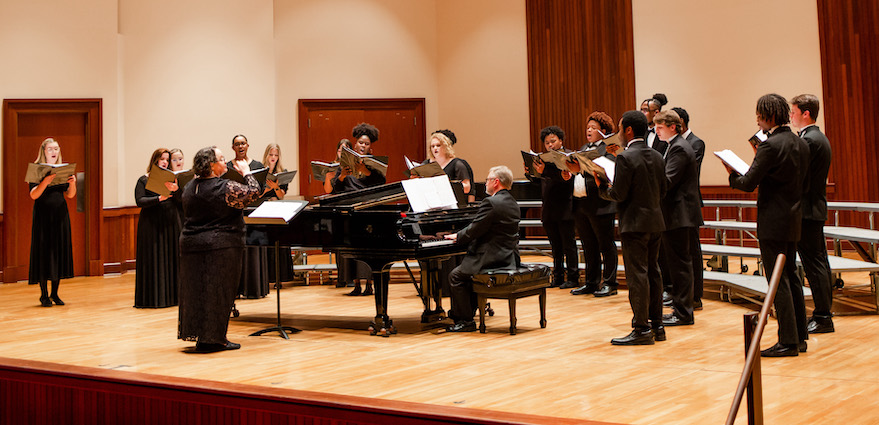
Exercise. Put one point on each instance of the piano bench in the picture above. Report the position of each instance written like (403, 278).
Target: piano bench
(512, 284)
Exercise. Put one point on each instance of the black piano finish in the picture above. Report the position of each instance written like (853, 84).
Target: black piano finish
(375, 235)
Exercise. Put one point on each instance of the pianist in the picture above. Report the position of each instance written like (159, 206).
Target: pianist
(492, 242)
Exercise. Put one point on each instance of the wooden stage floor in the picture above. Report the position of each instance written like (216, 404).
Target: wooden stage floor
(567, 370)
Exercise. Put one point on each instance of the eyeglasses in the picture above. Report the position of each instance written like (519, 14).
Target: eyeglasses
(239, 144)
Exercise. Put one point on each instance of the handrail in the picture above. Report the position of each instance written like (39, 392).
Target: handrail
(754, 350)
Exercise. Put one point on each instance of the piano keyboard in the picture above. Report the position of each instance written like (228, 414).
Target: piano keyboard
(438, 242)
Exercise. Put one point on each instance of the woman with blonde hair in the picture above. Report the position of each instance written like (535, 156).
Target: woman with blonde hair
(158, 231)
(272, 160)
(51, 247)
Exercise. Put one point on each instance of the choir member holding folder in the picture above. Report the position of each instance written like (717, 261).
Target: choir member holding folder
(557, 187)
(442, 152)
(158, 230)
(347, 180)
(51, 256)
(177, 167)
(211, 248)
(594, 215)
(254, 271)
(272, 192)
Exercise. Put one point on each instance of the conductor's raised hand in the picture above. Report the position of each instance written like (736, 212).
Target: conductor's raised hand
(237, 167)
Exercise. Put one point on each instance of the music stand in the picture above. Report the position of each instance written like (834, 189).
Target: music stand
(276, 213)
(279, 328)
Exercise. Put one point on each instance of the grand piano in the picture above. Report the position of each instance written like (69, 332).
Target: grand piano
(374, 225)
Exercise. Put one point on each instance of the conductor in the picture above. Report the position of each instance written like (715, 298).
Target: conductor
(493, 243)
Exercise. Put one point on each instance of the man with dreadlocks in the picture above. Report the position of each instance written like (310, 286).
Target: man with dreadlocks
(779, 169)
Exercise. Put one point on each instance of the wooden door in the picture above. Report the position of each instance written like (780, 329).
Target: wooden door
(76, 125)
(322, 123)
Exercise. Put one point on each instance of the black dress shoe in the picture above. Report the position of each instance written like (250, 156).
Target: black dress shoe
(203, 347)
(697, 304)
(56, 300)
(468, 326)
(636, 337)
(673, 320)
(820, 325)
(781, 350)
(555, 284)
(45, 302)
(585, 289)
(658, 333)
(605, 291)
(231, 346)
(802, 346)
(568, 285)
(355, 292)
(368, 291)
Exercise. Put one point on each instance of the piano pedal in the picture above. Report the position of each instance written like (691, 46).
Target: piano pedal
(489, 310)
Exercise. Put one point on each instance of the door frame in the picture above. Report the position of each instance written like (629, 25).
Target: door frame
(306, 105)
(92, 108)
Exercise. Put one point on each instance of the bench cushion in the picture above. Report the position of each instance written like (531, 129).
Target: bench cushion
(525, 273)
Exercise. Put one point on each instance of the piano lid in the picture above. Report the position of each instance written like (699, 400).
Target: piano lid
(366, 197)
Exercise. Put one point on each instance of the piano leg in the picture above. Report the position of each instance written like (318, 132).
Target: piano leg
(382, 325)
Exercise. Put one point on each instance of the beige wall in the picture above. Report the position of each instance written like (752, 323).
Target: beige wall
(62, 49)
(194, 74)
(483, 81)
(715, 59)
(190, 74)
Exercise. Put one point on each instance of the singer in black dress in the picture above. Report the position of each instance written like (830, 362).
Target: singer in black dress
(272, 192)
(51, 256)
(158, 230)
(211, 248)
(254, 273)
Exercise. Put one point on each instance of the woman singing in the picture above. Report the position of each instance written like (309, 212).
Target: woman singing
(51, 247)
(211, 251)
(158, 230)
(273, 191)
(254, 272)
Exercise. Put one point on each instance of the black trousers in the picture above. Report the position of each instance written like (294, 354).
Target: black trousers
(599, 248)
(812, 248)
(677, 264)
(564, 250)
(790, 308)
(463, 299)
(641, 260)
(696, 252)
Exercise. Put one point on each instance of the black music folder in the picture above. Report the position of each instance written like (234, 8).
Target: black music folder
(282, 178)
(259, 175)
(430, 169)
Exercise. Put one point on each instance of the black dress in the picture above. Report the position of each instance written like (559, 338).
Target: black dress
(254, 281)
(286, 262)
(211, 245)
(51, 245)
(158, 230)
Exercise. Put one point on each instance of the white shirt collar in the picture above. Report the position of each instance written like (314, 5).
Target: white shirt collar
(637, 139)
(687, 133)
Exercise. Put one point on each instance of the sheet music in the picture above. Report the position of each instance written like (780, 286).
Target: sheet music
(730, 158)
(275, 212)
(608, 166)
(430, 193)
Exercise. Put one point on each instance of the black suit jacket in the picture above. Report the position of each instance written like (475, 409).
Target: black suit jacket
(815, 197)
(593, 203)
(493, 236)
(681, 205)
(638, 186)
(698, 149)
(779, 169)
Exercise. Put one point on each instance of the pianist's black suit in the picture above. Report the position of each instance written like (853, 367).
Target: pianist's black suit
(699, 149)
(593, 218)
(683, 216)
(779, 169)
(492, 242)
(639, 184)
(812, 246)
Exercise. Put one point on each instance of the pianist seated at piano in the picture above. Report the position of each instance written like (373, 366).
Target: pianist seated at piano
(346, 180)
(492, 240)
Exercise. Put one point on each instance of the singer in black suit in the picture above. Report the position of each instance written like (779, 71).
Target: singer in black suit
(649, 108)
(682, 214)
(594, 216)
(638, 186)
(557, 214)
(779, 170)
(813, 246)
(698, 149)
(492, 240)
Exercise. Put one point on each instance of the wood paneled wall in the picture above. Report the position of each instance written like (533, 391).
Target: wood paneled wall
(120, 239)
(849, 38)
(580, 59)
(44, 393)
